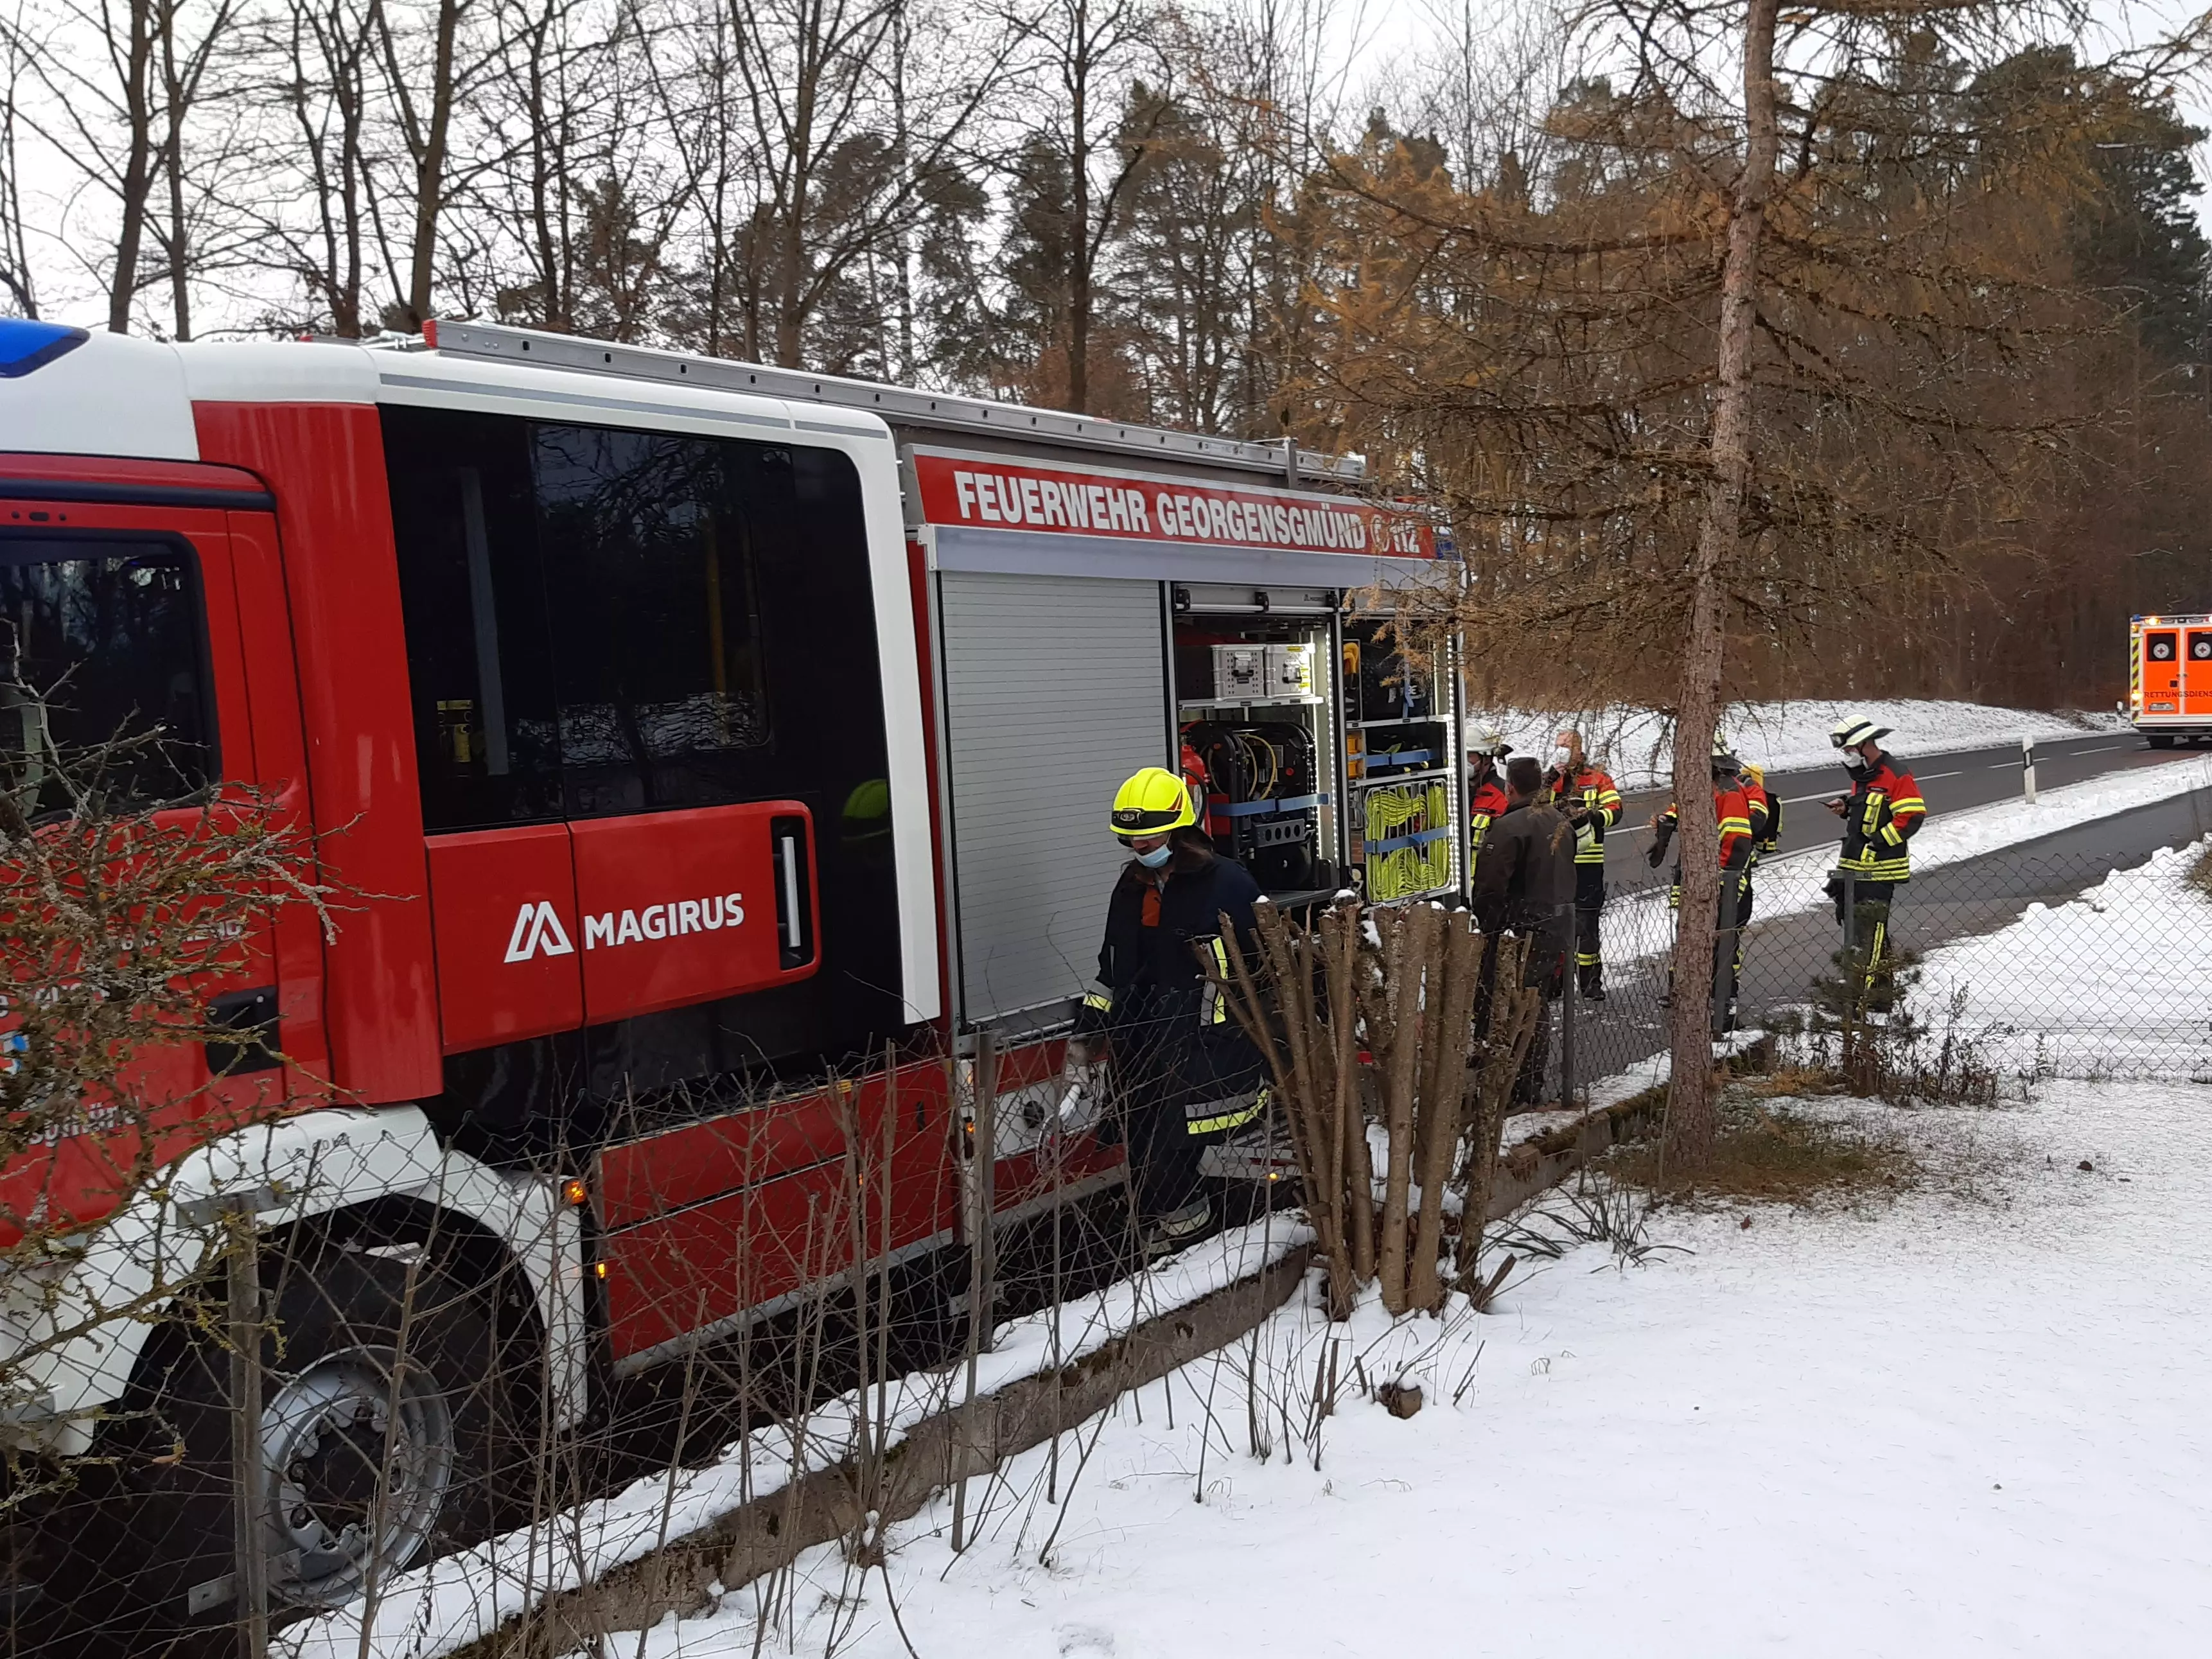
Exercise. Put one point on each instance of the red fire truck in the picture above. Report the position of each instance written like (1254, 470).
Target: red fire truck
(686, 734)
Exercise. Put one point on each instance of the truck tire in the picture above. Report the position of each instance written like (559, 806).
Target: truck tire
(2160, 739)
(335, 1394)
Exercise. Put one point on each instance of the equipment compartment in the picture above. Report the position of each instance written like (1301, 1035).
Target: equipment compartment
(1401, 768)
(1259, 731)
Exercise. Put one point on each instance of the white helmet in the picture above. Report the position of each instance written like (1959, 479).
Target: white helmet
(1857, 729)
(1487, 739)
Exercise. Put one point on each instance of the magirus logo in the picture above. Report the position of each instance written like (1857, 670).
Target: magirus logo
(538, 931)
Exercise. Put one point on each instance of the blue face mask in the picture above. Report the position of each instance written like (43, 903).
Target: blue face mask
(1156, 857)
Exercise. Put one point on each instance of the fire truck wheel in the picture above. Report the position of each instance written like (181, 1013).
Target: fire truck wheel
(2161, 740)
(384, 1408)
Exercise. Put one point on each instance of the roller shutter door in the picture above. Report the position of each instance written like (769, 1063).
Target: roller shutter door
(1054, 692)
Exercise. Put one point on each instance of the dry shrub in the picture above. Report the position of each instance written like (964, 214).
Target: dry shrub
(2200, 871)
(1772, 1151)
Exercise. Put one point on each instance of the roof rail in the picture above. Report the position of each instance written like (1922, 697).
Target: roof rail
(941, 410)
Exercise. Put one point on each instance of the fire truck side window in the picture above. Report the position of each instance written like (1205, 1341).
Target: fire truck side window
(650, 541)
(487, 732)
(103, 639)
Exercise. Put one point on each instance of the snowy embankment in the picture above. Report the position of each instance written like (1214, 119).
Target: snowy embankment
(1640, 926)
(1636, 744)
(435, 1609)
(2118, 980)
(1969, 1420)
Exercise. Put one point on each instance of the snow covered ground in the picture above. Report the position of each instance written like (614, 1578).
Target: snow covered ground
(1968, 1419)
(444, 1604)
(1639, 925)
(2120, 978)
(1634, 744)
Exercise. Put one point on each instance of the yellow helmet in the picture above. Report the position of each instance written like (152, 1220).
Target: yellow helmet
(1152, 802)
(1755, 773)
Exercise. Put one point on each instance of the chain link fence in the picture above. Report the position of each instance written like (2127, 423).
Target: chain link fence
(448, 1403)
(2030, 963)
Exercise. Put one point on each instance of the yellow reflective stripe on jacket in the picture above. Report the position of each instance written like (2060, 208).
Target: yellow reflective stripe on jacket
(1476, 827)
(1213, 997)
(1867, 867)
(1239, 1113)
(1736, 826)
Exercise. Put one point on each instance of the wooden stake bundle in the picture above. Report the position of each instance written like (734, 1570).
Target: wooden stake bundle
(1405, 995)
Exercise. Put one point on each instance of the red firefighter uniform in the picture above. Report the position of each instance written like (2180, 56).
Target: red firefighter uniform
(1733, 808)
(1487, 802)
(1883, 812)
(1587, 796)
(1765, 832)
(1880, 815)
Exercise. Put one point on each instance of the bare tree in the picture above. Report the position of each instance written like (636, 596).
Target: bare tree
(434, 63)
(17, 51)
(320, 85)
(1087, 54)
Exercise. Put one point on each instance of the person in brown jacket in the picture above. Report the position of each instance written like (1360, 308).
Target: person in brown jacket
(1524, 884)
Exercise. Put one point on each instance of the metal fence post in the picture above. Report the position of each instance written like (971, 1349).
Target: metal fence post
(2028, 770)
(1725, 950)
(248, 1460)
(981, 1207)
(1569, 993)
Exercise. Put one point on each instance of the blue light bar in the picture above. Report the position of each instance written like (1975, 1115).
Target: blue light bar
(27, 346)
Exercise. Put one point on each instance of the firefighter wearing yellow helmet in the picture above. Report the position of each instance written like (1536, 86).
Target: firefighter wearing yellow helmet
(1184, 1070)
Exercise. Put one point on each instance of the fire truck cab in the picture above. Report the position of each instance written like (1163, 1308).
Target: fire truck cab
(686, 740)
(2170, 678)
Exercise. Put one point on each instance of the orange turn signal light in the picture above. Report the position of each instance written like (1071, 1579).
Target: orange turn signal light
(573, 1190)
(599, 1269)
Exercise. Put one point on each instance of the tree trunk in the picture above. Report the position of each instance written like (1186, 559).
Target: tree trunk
(180, 297)
(1691, 1120)
(1079, 243)
(138, 165)
(430, 168)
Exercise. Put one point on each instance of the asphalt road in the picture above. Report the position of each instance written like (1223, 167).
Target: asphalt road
(1970, 777)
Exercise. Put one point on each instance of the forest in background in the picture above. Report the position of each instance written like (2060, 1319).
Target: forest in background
(1492, 270)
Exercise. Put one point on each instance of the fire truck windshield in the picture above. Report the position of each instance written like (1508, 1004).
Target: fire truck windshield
(101, 644)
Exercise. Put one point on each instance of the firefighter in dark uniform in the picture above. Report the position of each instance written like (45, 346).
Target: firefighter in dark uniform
(1880, 815)
(1587, 794)
(1184, 1073)
(1524, 884)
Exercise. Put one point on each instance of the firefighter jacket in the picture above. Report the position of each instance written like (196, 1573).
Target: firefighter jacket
(1170, 1025)
(1591, 792)
(1525, 880)
(1734, 811)
(1880, 817)
(1487, 802)
(1766, 818)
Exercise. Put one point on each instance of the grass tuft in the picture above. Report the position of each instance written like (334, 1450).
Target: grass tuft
(1769, 1152)
(2200, 873)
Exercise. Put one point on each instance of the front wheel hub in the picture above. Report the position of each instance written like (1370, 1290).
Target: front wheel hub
(358, 1451)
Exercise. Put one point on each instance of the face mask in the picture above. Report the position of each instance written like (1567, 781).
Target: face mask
(1563, 758)
(1156, 857)
(1856, 766)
